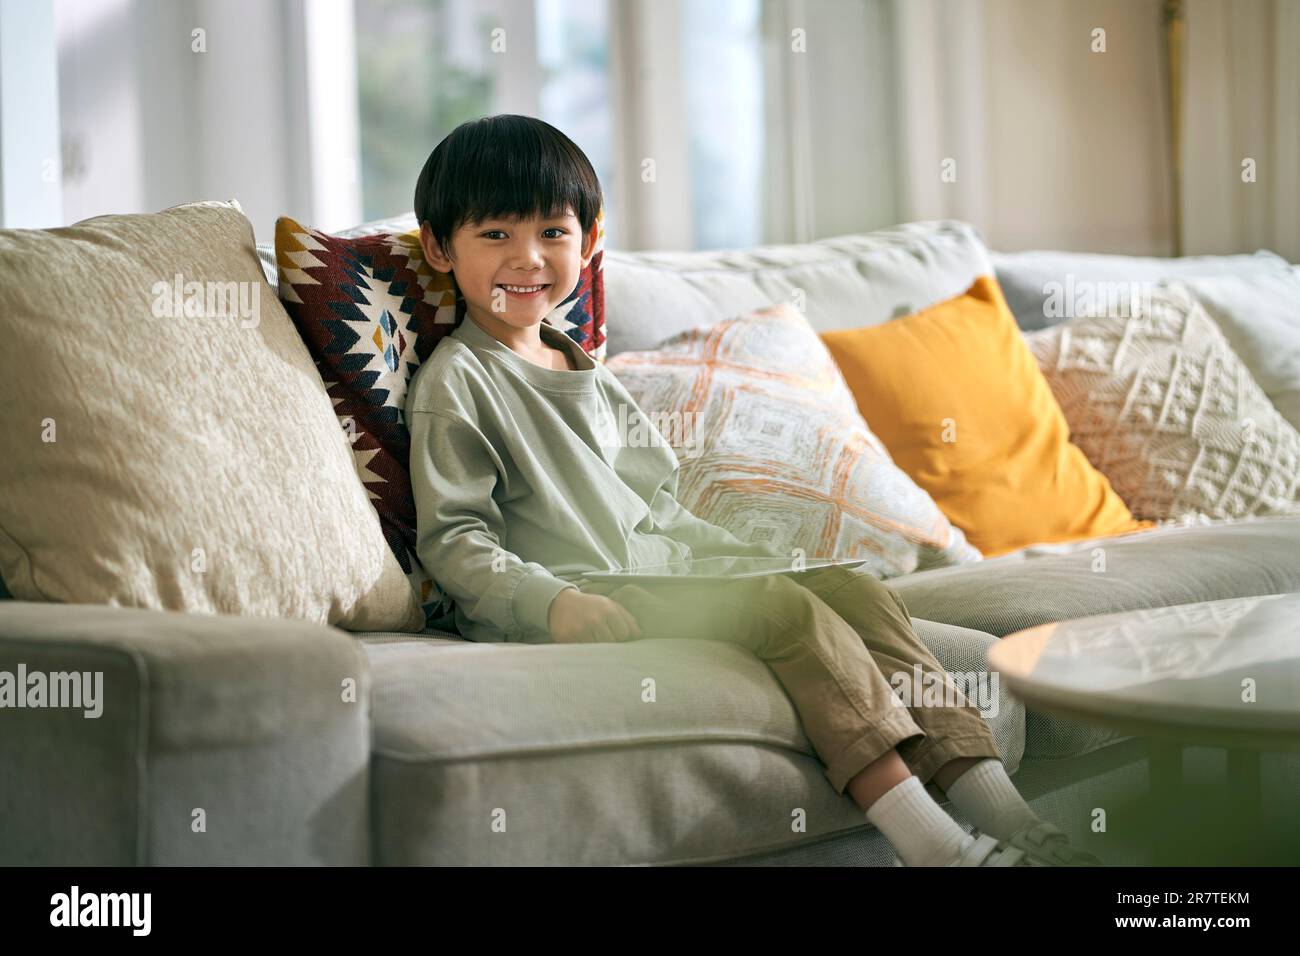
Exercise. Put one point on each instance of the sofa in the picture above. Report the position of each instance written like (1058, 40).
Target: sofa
(522, 754)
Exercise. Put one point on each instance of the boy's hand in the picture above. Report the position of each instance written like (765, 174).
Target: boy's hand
(576, 618)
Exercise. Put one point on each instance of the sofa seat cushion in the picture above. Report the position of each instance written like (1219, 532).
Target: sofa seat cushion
(1159, 568)
(552, 754)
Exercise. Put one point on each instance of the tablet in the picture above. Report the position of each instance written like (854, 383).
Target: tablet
(716, 569)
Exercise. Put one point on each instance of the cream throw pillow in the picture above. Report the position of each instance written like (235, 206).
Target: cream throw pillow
(186, 462)
(772, 446)
(1164, 408)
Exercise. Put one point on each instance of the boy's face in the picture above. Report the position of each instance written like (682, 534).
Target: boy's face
(497, 258)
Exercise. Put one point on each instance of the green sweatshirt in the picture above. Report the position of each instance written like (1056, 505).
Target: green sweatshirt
(522, 483)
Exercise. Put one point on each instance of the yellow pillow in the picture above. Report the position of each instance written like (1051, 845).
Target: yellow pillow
(958, 399)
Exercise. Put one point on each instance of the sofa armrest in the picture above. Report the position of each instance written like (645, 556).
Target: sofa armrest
(218, 739)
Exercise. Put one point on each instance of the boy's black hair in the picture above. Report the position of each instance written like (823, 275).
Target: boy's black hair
(502, 167)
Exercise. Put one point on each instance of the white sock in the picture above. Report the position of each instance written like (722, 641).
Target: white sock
(917, 827)
(986, 795)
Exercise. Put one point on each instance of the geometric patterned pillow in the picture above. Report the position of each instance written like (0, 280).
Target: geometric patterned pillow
(1164, 408)
(772, 447)
(370, 310)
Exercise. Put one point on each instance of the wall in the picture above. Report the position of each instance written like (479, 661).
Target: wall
(1078, 151)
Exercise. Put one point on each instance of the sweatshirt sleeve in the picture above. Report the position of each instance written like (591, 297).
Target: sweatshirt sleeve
(459, 529)
(704, 538)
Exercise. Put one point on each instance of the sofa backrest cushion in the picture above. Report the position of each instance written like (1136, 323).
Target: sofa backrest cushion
(1044, 288)
(839, 283)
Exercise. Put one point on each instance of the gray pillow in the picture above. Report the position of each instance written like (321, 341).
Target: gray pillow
(839, 283)
(1025, 277)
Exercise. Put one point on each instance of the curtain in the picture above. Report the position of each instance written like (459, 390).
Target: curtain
(1242, 104)
(996, 112)
(650, 192)
(1007, 114)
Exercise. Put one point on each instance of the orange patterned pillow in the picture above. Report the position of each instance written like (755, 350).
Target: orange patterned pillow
(772, 448)
(959, 401)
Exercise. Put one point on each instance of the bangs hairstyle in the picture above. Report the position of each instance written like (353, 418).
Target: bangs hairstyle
(504, 167)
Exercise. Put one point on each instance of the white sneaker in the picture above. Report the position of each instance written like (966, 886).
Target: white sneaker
(987, 850)
(1047, 845)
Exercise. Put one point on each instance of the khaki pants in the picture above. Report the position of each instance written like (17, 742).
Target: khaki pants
(833, 637)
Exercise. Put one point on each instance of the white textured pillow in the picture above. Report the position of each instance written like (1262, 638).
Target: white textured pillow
(189, 462)
(1164, 408)
(1259, 315)
(773, 447)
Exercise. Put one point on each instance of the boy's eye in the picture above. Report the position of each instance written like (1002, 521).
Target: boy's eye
(493, 233)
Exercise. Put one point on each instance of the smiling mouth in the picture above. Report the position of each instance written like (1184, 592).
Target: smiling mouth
(523, 291)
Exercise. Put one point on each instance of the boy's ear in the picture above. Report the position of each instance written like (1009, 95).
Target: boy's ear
(432, 251)
(589, 244)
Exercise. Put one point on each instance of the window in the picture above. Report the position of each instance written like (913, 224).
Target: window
(724, 97)
(573, 48)
(426, 66)
(421, 71)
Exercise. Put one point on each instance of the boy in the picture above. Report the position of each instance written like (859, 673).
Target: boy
(519, 492)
